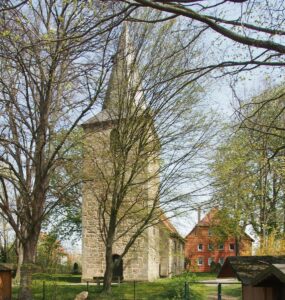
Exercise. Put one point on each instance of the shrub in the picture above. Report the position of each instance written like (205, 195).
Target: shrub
(215, 267)
(179, 288)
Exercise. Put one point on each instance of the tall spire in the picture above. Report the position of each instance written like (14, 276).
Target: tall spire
(123, 91)
(123, 75)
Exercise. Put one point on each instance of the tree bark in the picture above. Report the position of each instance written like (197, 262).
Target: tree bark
(187, 12)
(27, 267)
(237, 240)
(109, 270)
(20, 261)
(109, 251)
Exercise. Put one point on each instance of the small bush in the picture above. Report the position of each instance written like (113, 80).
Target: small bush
(215, 267)
(179, 287)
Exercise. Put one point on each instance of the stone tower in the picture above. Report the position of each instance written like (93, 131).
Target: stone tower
(123, 122)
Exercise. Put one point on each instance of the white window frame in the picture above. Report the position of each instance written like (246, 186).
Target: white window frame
(202, 261)
(210, 260)
(233, 248)
(200, 249)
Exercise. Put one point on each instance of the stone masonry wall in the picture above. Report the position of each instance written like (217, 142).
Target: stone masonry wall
(142, 260)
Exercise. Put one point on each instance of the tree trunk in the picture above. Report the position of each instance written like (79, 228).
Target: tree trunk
(109, 252)
(108, 271)
(20, 261)
(27, 267)
(237, 246)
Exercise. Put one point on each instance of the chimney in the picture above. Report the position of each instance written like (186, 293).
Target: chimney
(199, 214)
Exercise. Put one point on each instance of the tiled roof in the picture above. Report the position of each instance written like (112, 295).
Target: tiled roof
(208, 218)
(169, 226)
(207, 221)
(103, 116)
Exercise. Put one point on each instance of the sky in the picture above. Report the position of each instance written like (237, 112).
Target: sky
(221, 92)
(220, 97)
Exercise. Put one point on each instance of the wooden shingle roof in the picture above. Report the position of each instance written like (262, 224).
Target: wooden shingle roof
(7, 267)
(271, 275)
(247, 268)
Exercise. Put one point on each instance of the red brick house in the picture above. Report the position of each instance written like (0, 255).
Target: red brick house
(202, 248)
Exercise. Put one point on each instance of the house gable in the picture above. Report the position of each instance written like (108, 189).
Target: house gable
(202, 247)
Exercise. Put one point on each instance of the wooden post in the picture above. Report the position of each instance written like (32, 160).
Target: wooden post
(55, 291)
(44, 290)
(219, 291)
(186, 291)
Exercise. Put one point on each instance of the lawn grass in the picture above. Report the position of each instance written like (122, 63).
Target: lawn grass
(233, 290)
(59, 278)
(66, 286)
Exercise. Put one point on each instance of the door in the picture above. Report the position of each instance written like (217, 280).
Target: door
(117, 267)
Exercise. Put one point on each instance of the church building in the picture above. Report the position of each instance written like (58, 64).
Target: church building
(121, 167)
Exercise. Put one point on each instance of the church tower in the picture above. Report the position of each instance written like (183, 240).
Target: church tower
(121, 176)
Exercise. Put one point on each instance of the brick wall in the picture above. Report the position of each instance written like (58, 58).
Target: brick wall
(200, 249)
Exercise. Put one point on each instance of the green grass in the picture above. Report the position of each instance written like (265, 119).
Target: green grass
(65, 287)
(59, 278)
(233, 290)
(204, 276)
(53, 291)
